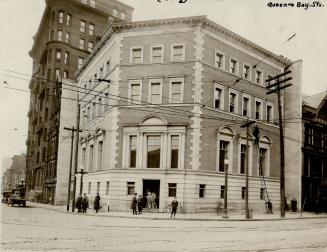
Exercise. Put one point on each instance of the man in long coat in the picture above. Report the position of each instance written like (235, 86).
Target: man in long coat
(79, 203)
(85, 203)
(134, 203)
(97, 203)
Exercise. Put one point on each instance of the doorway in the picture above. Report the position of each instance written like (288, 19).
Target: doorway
(151, 186)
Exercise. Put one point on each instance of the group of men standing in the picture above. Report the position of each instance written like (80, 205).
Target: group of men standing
(82, 203)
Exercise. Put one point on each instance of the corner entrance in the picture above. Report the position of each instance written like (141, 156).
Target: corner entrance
(151, 187)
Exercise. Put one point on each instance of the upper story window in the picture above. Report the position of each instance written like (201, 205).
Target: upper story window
(90, 46)
(178, 52)
(258, 109)
(223, 154)
(243, 158)
(58, 54)
(176, 87)
(136, 55)
(246, 72)
(246, 105)
(80, 62)
(115, 12)
(66, 75)
(233, 102)
(92, 3)
(132, 151)
(59, 35)
(82, 26)
(67, 37)
(218, 96)
(81, 44)
(67, 56)
(258, 77)
(174, 151)
(68, 19)
(135, 91)
(108, 67)
(157, 54)
(155, 91)
(233, 66)
(153, 151)
(91, 29)
(269, 113)
(101, 72)
(60, 17)
(219, 60)
(53, 17)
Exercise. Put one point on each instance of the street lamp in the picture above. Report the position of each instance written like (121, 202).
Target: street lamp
(226, 163)
(82, 172)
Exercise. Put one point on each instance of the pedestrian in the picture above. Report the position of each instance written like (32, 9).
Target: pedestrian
(97, 203)
(79, 203)
(85, 203)
(174, 205)
(149, 200)
(270, 207)
(134, 204)
(140, 204)
(153, 200)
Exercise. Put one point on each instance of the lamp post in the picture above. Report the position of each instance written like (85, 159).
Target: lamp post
(226, 163)
(82, 172)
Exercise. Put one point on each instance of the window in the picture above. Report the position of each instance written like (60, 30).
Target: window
(61, 17)
(57, 72)
(108, 67)
(100, 153)
(178, 52)
(153, 151)
(90, 46)
(130, 188)
(243, 192)
(89, 188)
(176, 90)
(67, 37)
(232, 102)
(156, 54)
(218, 96)
(202, 189)
(223, 154)
(58, 54)
(258, 110)
(262, 193)
(132, 151)
(66, 75)
(51, 35)
(88, 114)
(67, 56)
(53, 16)
(258, 77)
(93, 110)
(82, 26)
(115, 12)
(222, 192)
(68, 19)
(91, 158)
(155, 92)
(233, 66)
(107, 187)
(246, 72)
(174, 151)
(81, 44)
(246, 106)
(135, 92)
(99, 106)
(262, 161)
(219, 60)
(91, 29)
(80, 62)
(243, 158)
(269, 113)
(98, 187)
(136, 55)
(83, 156)
(101, 72)
(92, 3)
(59, 35)
(122, 15)
(172, 189)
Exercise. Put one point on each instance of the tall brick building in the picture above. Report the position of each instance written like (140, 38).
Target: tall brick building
(68, 32)
(169, 120)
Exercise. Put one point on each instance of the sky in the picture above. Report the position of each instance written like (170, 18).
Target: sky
(269, 27)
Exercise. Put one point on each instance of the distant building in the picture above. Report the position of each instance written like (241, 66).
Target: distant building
(15, 174)
(68, 32)
(169, 121)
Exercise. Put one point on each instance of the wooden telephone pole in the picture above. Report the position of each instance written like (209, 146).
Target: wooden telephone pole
(276, 88)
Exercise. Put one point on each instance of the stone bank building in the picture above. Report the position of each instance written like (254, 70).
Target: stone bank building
(162, 102)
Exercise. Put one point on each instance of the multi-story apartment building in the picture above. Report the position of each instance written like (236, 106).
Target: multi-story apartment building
(169, 120)
(68, 32)
(15, 174)
(314, 148)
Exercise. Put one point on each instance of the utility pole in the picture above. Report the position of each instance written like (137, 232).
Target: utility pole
(72, 129)
(276, 88)
(76, 152)
(82, 172)
(246, 125)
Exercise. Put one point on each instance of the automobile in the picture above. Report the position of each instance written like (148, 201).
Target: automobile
(5, 196)
(17, 197)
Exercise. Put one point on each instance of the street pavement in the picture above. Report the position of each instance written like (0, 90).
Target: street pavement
(42, 229)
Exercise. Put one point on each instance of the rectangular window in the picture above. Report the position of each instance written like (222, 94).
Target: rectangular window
(258, 77)
(90, 46)
(232, 102)
(108, 67)
(262, 161)
(269, 113)
(82, 26)
(233, 67)
(98, 187)
(132, 151)
(174, 152)
(202, 189)
(222, 192)
(153, 151)
(81, 44)
(223, 154)
(156, 54)
(246, 106)
(61, 17)
(91, 29)
(83, 157)
(91, 158)
(258, 110)
(89, 188)
(68, 19)
(219, 60)
(178, 52)
(66, 75)
(243, 157)
(130, 188)
(88, 115)
(243, 192)
(136, 55)
(176, 91)
(80, 62)
(155, 92)
(262, 193)
(107, 187)
(67, 37)
(99, 106)
(93, 110)
(59, 35)
(100, 154)
(101, 72)
(135, 92)
(172, 189)
(218, 98)
(58, 54)
(57, 72)
(246, 72)
(67, 56)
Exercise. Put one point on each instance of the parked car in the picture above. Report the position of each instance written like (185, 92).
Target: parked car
(18, 197)
(5, 196)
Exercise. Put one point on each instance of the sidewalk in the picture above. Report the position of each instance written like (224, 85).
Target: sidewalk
(194, 217)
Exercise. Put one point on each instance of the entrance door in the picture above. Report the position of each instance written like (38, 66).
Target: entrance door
(151, 186)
